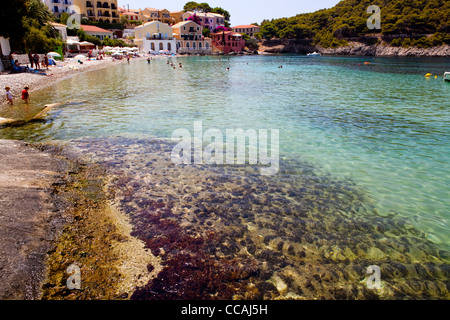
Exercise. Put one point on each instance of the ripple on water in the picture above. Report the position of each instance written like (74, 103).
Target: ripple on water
(225, 232)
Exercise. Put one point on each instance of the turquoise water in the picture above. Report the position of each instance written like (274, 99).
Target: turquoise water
(384, 126)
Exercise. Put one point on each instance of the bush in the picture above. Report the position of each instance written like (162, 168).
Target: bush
(397, 42)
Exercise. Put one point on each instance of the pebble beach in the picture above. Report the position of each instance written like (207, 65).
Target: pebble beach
(35, 81)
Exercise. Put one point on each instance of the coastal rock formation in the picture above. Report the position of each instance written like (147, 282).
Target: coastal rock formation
(353, 49)
(380, 50)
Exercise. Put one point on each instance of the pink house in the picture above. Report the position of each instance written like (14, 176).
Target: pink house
(228, 41)
(207, 20)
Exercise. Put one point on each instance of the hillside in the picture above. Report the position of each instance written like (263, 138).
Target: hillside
(404, 23)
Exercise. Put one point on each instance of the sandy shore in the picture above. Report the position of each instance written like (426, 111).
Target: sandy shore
(67, 68)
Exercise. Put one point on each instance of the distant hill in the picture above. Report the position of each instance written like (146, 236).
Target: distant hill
(421, 23)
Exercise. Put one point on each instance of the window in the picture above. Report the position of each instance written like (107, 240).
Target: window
(152, 46)
(161, 47)
(55, 9)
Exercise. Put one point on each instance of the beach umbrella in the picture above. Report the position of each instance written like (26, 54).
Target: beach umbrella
(54, 54)
(79, 57)
(85, 43)
(72, 42)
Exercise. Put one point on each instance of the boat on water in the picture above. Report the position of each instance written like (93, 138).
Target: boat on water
(447, 76)
(314, 54)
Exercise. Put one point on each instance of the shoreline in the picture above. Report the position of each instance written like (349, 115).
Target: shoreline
(63, 70)
(354, 48)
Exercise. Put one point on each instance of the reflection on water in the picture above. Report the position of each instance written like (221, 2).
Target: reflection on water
(227, 232)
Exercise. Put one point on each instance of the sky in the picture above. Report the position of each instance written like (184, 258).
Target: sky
(241, 11)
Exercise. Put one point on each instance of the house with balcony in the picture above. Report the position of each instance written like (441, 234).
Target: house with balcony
(57, 7)
(155, 37)
(228, 41)
(133, 16)
(249, 29)
(99, 11)
(207, 20)
(162, 15)
(189, 38)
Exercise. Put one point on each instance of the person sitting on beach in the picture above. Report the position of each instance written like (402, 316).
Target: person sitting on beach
(9, 95)
(25, 95)
(17, 67)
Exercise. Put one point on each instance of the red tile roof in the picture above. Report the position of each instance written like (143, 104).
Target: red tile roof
(93, 28)
(245, 26)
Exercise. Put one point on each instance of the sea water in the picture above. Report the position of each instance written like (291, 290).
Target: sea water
(364, 151)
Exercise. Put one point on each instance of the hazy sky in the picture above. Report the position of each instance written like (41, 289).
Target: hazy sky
(242, 11)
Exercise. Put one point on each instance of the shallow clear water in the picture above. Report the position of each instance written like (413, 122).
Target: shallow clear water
(384, 126)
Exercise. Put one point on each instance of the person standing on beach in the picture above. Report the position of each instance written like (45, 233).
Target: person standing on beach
(9, 95)
(45, 60)
(30, 58)
(25, 95)
(36, 61)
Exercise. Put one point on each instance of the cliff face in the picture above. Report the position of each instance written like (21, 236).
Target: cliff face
(360, 49)
(353, 49)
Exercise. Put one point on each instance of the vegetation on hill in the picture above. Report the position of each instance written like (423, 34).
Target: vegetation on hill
(422, 23)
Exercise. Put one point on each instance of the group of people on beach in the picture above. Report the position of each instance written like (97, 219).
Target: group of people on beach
(35, 63)
(25, 95)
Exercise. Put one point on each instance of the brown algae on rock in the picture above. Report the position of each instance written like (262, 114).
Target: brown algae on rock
(97, 240)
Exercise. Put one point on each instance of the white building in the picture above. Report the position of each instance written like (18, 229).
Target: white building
(59, 6)
(155, 37)
(62, 29)
(5, 50)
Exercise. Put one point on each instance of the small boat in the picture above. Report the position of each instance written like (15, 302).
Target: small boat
(447, 76)
(314, 54)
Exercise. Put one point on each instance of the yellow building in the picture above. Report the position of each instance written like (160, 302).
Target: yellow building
(154, 37)
(100, 11)
(177, 16)
(189, 38)
(134, 16)
(162, 15)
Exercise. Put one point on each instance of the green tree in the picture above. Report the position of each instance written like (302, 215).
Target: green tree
(63, 17)
(268, 31)
(206, 33)
(11, 15)
(30, 30)
(223, 12)
(194, 6)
